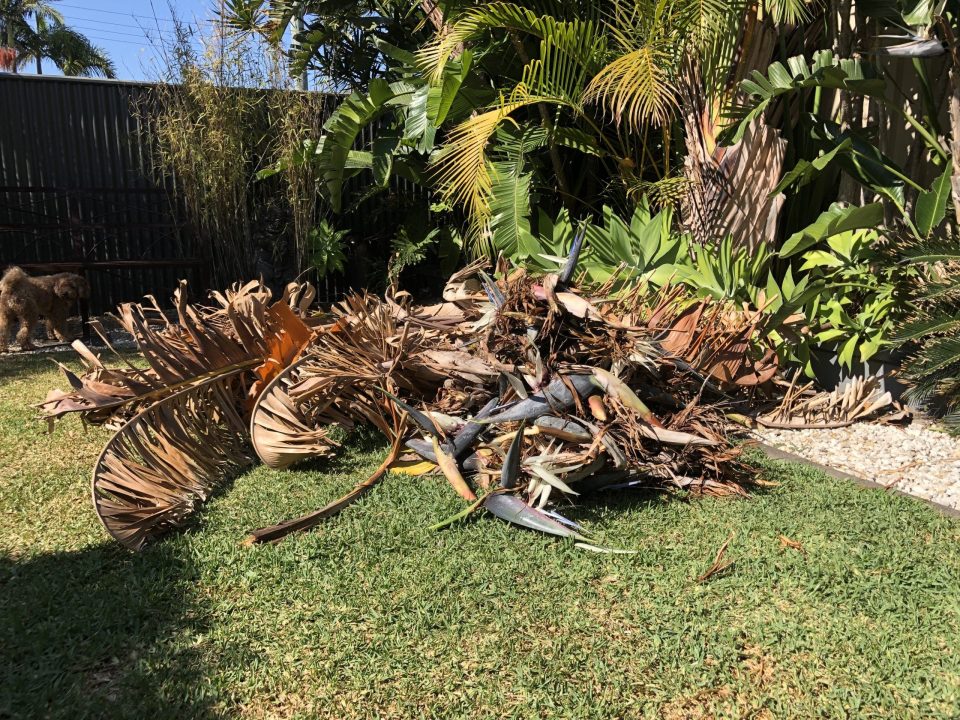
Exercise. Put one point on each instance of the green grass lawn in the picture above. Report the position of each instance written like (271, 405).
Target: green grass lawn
(372, 615)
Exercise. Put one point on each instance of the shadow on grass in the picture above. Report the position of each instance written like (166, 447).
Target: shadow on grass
(101, 633)
(16, 366)
(602, 504)
(353, 453)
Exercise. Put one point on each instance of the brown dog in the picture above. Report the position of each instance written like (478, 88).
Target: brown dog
(27, 299)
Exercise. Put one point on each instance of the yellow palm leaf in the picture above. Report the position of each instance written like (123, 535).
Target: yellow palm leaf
(635, 88)
(461, 166)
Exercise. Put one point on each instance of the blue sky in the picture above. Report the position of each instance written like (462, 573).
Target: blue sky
(125, 29)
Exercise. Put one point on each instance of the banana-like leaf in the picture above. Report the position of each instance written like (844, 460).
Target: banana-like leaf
(344, 126)
(568, 430)
(556, 396)
(836, 219)
(510, 473)
(514, 510)
(931, 207)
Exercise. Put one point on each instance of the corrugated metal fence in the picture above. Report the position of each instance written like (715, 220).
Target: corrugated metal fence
(77, 191)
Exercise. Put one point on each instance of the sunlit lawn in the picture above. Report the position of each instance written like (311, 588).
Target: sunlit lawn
(373, 615)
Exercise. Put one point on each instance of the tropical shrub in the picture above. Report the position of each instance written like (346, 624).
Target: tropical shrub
(864, 294)
(513, 108)
(325, 249)
(519, 117)
(837, 289)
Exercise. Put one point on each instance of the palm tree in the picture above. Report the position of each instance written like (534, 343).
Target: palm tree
(35, 30)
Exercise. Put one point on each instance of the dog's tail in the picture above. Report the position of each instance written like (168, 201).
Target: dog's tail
(11, 278)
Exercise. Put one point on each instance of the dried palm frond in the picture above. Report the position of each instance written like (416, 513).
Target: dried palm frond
(283, 431)
(170, 456)
(858, 398)
(244, 332)
(529, 392)
(339, 380)
(188, 430)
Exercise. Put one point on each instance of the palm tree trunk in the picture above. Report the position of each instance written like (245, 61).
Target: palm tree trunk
(39, 65)
(11, 43)
(434, 13)
(847, 28)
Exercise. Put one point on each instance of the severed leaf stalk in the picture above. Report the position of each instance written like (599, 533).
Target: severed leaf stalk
(275, 533)
(463, 513)
(612, 385)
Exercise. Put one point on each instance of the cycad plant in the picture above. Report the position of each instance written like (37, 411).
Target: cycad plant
(933, 368)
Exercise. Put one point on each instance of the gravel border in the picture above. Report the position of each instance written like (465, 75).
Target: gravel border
(915, 459)
(775, 453)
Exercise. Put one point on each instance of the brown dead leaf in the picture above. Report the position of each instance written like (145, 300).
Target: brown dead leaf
(792, 544)
(719, 565)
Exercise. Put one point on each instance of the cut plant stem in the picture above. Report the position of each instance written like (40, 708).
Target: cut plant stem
(465, 512)
(275, 533)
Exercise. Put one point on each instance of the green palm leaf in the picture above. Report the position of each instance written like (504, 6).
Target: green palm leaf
(461, 166)
(571, 36)
(344, 126)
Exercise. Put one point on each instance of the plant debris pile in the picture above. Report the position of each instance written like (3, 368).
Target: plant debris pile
(524, 391)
